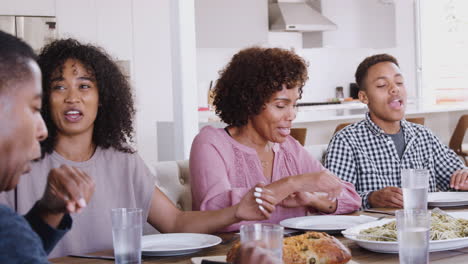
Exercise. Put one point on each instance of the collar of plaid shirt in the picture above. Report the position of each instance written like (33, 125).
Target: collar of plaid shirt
(376, 130)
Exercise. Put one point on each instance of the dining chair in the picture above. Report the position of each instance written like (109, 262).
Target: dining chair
(456, 141)
(173, 178)
(299, 134)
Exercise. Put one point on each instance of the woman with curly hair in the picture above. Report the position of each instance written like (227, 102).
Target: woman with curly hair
(256, 96)
(88, 110)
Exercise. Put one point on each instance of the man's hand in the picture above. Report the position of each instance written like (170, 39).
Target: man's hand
(387, 197)
(68, 190)
(458, 181)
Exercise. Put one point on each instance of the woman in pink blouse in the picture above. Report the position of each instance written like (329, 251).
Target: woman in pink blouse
(256, 96)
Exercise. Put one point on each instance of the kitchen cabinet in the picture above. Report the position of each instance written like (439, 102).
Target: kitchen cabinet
(231, 24)
(361, 23)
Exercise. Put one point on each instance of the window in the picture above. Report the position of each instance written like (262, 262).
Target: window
(442, 51)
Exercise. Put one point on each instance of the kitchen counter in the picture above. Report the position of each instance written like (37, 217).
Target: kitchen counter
(321, 121)
(346, 111)
(312, 114)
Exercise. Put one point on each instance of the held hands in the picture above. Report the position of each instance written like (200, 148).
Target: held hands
(68, 190)
(251, 253)
(387, 197)
(257, 204)
(459, 180)
(322, 182)
(315, 200)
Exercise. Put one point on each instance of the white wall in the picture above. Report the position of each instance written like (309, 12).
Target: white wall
(27, 7)
(328, 67)
(152, 72)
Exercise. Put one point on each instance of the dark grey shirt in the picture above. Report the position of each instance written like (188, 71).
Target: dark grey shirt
(399, 140)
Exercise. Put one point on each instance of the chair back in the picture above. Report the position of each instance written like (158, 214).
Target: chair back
(456, 140)
(341, 126)
(416, 120)
(173, 178)
(299, 134)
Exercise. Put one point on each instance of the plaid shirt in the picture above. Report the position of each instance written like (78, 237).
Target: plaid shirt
(364, 155)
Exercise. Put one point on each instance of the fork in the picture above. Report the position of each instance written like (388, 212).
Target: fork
(92, 257)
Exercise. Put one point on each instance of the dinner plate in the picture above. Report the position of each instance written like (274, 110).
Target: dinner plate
(392, 247)
(176, 244)
(326, 223)
(446, 199)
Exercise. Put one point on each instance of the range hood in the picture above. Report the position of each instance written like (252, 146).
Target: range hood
(297, 16)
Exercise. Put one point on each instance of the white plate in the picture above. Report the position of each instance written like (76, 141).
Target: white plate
(326, 223)
(445, 199)
(176, 244)
(392, 247)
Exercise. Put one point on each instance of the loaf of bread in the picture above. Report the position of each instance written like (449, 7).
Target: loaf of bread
(308, 248)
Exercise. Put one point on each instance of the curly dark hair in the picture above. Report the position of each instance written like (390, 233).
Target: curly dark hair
(251, 78)
(368, 62)
(113, 126)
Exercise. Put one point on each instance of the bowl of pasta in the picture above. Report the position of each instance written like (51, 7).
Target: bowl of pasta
(448, 231)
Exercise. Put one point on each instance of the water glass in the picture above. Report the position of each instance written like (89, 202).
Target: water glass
(415, 185)
(413, 227)
(126, 233)
(268, 236)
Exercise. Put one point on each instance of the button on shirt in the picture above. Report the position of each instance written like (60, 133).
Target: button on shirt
(367, 157)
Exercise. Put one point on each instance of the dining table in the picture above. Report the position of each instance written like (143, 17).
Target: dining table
(359, 255)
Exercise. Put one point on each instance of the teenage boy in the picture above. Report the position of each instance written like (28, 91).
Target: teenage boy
(371, 153)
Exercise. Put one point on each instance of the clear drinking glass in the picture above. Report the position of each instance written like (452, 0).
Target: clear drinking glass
(268, 236)
(126, 232)
(413, 227)
(415, 185)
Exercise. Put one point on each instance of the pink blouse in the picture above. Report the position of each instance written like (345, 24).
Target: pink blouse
(222, 170)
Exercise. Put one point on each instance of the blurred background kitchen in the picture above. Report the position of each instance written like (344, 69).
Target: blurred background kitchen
(172, 50)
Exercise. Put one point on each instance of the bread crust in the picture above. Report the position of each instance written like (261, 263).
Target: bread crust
(308, 248)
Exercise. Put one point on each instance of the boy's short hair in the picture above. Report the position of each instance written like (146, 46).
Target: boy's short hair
(15, 55)
(368, 62)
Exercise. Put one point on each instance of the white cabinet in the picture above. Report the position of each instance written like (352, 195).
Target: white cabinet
(231, 24)
(361, 23)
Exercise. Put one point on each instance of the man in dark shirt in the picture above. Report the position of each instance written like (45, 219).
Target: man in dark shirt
(21, 129)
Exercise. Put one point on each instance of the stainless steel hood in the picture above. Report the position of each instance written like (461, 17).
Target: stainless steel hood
(297, 16)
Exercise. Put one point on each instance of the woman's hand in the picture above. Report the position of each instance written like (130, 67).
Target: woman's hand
(299, 199)
(321, 182)
(318, 201)
(257, 204)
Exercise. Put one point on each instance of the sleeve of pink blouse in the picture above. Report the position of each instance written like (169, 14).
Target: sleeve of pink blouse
(211, 189)
(348, 201)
